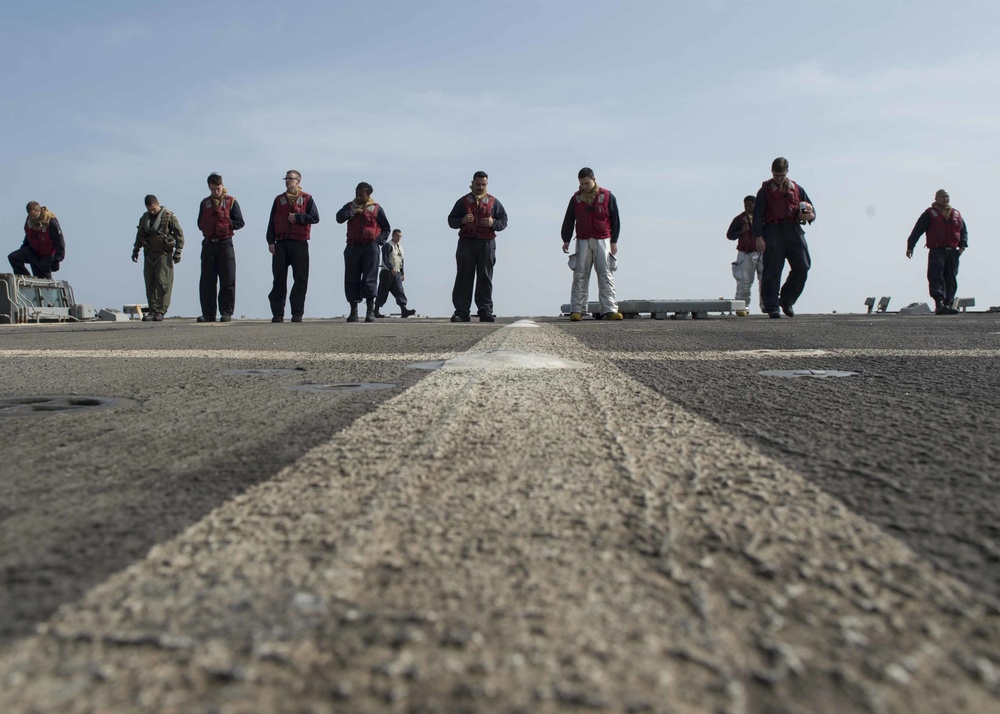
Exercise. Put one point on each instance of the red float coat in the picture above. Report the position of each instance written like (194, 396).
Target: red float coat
(944, 232)
(594, 220)
(363, 227)
(291, 231)
(214, 221)
(782, 203)
(484, 209)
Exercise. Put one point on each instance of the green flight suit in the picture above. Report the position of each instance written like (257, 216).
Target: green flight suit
(162, 240)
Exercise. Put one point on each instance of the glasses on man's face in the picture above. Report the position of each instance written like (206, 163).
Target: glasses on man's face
(291, 178)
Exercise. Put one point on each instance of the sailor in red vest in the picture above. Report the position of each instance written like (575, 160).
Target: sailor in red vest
(749, 263)
(293, 214)
(219, 217)
(594, 212)
(947, 239)
(781, 208)
(367, 232)
(478, 217)
(44, 246)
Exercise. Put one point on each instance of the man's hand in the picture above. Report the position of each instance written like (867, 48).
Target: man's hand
(566, 247)
(909, 253)
(270, 248)
(291, 218)
(55, 266)
(487, 222)
(758, 243)
(135, 256)
(961, 250)
(393, 271)
(614, 249)
(469, 218)
(177, 257)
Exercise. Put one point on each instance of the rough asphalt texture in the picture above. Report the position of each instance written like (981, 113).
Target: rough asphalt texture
(661, 529)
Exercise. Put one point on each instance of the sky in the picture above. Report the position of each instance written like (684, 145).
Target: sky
(679, 108)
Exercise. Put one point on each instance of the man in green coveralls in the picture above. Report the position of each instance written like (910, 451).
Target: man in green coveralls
(161, 238)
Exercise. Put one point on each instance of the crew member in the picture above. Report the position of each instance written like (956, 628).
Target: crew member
(44, 246)
(392, 275)
(749, 262)
(161, 239)
(947, 239)
(478, 217)
(219, 217)
(293, 214)
(367, 232)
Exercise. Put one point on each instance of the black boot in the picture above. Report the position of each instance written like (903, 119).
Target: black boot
(370, 310)
(353, 317)
(407, 312)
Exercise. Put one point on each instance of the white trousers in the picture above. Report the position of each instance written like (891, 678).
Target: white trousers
(593, 253)
(745, 268)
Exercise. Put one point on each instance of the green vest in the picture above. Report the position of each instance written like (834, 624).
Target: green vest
(155, 231)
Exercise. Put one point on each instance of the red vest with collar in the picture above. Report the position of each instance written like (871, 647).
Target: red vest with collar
(363, 227)
(944, 233)
(782, 203)
(214, 221)
(484, 209)
(283, 230)
(594, 220)
(40, 240)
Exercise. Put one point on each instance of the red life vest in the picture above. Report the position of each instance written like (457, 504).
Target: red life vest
(283, 230)
(944, 233)
(745, 243)
(484, 209)
(593, 221)
(214, 221)
(40, 240)
(363, 227)
(782, 203)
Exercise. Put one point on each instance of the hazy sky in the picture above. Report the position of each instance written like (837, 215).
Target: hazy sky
(678, 107)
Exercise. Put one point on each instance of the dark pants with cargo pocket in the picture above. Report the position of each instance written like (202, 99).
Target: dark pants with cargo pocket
(361, 271)
(474, 260)
(783, 241)
(292, 254)
(942, 274)
(218, 268)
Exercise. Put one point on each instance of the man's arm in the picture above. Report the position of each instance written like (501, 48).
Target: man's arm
(616, 221)
(383, 223)
(963, 241)
(735, 228)
(803, 196)
(499, 216)
(235, 216)
(311, 215)
(569, 221)
(386, 251)
(178, 234)
(270, 224)
(919, 228)
(345, 213)
(58, 240)
(457, 214)
(759, 211)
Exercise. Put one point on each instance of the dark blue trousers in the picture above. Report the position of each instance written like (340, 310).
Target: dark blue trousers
(361, 271)
(783, 241)
(475, 259)
(292, 254)
(218, 267)
(20, 259)
(942, 274)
